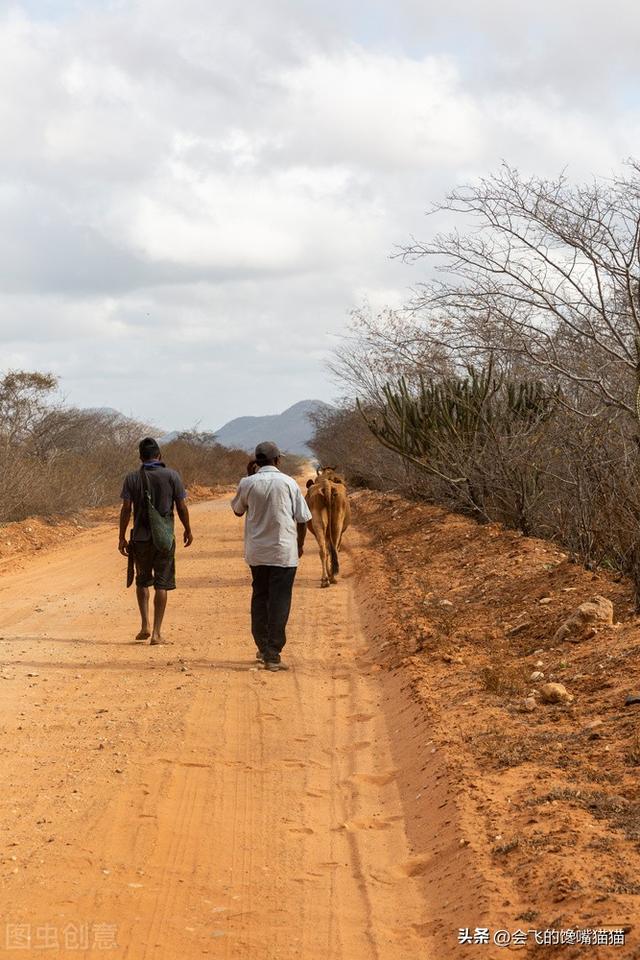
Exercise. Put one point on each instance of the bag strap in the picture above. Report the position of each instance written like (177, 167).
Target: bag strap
(146, 490)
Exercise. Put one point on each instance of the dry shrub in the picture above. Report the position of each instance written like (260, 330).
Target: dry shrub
(200, 460)
(342, 439)
(55, 460)
(575, 481)
(538, 279)
(504, 679)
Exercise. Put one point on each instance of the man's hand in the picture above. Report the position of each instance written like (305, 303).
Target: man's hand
(125, 516)
(302, 532)
(183, 513)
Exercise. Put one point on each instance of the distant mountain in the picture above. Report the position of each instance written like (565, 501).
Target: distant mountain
(168, 437)
(290, 430)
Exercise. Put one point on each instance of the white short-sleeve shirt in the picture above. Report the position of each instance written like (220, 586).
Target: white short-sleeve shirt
(274, 505)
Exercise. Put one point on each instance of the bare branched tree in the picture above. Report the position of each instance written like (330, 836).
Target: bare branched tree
(541, 283)
(25, 398)
(548, 274)
(384, 346)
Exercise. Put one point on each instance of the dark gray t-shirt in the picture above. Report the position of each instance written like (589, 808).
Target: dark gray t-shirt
(166, 489)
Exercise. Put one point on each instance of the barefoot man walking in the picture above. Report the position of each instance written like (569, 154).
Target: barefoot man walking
(274, 531)
(155, 567)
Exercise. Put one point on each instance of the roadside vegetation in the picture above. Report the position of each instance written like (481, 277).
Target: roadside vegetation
(506, 388)
(56, 459)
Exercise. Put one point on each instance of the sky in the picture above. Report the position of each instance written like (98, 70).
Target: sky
(195, 195)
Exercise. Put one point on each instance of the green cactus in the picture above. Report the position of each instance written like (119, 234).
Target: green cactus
(462, 412)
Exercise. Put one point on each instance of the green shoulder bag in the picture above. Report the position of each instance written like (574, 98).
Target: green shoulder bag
(161, 527)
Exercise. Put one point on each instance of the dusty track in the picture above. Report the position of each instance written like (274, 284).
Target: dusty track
(179, 802)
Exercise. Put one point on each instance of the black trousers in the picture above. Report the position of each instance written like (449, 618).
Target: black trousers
(270, 606)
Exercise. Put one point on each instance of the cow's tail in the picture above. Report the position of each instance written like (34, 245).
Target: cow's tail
(335, 563)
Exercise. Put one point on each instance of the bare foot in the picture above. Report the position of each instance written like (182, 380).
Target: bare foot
(143, 635)
(155, 641)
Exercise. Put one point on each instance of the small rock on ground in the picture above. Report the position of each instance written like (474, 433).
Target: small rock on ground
(555, 693)
(596, 612)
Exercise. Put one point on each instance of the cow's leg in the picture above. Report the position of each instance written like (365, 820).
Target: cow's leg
(324, 555)
(332, 562)
(336, 538)
(324, 560)
(318, 527)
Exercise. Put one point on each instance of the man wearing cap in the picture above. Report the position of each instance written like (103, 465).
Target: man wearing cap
(275, 527)
(154, 568)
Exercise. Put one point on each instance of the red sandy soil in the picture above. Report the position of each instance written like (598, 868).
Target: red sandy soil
(541, 826)
(384, 793)
(177, 802)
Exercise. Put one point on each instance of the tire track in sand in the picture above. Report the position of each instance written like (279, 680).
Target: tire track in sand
(254, 815)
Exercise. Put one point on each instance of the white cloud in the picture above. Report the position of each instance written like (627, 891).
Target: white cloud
(379, 111)
(222, 183)
(279, 221)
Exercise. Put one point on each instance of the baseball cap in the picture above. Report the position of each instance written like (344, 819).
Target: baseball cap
(267, 450)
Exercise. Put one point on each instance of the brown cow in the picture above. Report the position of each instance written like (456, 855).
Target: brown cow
(329, 473)
(331, 515)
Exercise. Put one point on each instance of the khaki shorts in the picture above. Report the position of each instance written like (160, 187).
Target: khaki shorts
(153, 568)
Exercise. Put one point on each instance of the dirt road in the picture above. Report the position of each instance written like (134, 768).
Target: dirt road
(174, 802)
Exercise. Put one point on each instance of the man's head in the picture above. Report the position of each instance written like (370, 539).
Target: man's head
(267, 454)
(149, 449)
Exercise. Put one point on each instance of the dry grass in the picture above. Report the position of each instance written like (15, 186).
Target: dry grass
(504, 679)
(621, 884)
(633, 753)
(503, 848)
(616, 810)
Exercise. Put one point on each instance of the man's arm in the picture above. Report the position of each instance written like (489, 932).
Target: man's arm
(239, 502)
(302, 532)
(180, 501)
(125, 516)
(183, 512)
(302, 516)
